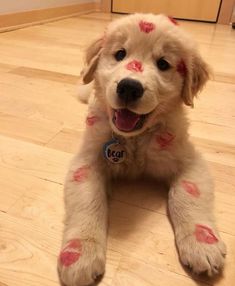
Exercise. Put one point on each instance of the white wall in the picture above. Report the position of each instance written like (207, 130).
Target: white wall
(12, 6)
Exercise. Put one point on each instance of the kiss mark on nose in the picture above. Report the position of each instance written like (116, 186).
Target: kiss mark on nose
(91, 120)
(181, 68)
(81, 174)
(191, 188)
(173, 20)
(135, 66)
(165, 139)
(205, 234)
(71, 253)
(146, 27)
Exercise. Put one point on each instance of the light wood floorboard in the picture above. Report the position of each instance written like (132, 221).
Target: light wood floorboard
(41, 124)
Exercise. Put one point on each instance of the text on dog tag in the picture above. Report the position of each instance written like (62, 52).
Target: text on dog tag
(114, 152)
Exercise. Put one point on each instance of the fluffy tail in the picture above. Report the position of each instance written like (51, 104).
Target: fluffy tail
(84, 92)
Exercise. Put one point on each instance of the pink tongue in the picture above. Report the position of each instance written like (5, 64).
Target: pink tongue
(126, 120)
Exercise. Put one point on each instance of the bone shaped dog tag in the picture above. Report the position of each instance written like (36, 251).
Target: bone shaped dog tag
(114, 152)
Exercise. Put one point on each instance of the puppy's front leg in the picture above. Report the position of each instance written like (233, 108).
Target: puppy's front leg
(82, 258)
(191, 209)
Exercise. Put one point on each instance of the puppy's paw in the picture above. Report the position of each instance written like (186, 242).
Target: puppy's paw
(81, 262)
(203, 251)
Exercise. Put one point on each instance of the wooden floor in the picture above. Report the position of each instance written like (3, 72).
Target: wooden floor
(40, 127)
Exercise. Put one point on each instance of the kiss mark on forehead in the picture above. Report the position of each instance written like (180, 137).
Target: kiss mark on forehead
(181, 68)
(135, 66)
(146, 27)
(173, 20)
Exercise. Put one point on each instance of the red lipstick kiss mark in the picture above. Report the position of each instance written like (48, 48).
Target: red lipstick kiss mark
(205, 234)
(135, 66)
(91, 120)
(191, 188)
(81, 174)
(71, 253)
(173, 20)
(146, 27)
(181, 68)
(165, 139)
(68, 258)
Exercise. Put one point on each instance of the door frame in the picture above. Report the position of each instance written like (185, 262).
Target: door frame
(194, 20)
(226, 12)
(223, 17)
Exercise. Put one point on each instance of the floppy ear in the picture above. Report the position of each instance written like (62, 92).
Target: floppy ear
(92, 58)
(195, 78)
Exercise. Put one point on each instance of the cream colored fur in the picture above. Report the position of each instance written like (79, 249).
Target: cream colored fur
(165, 95)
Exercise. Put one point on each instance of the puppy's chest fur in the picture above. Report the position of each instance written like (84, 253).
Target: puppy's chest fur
(148, 154)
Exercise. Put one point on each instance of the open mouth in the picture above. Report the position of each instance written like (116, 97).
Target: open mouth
(127, 121)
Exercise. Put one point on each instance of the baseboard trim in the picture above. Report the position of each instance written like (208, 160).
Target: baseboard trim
(9, 22)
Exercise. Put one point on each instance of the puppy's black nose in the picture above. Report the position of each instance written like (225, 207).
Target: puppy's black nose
(129, 90)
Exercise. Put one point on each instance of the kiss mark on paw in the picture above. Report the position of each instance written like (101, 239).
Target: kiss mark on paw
(81, 174)
(68, 258)
(181, 68)
(165, 139)
(146, 27)
(191, 188)
(91, 120)
(205, 234)
(173, 20)
(71, 253)
(135, 66)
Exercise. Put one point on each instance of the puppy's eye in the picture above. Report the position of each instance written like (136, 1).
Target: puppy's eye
(163, 65)
(120, 55)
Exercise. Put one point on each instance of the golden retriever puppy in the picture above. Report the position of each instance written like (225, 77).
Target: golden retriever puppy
(140, 73)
